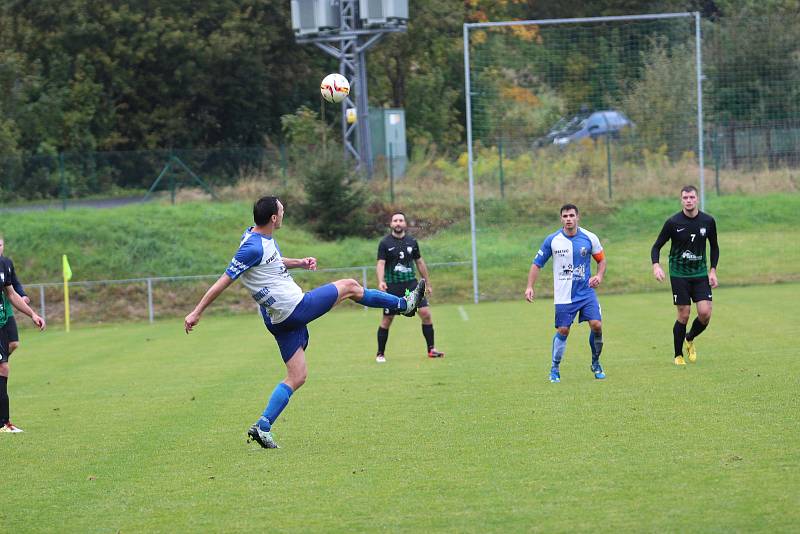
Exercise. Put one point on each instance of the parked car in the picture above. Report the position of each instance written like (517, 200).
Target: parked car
(583, 125)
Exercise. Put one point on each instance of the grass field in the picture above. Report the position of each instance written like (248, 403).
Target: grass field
(134, 428)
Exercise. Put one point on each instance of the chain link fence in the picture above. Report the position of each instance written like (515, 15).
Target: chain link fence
(66, 177)
(153, 298)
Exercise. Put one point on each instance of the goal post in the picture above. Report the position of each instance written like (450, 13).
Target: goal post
(581, 107)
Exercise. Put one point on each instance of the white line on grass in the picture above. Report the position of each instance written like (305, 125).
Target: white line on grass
(463, 313)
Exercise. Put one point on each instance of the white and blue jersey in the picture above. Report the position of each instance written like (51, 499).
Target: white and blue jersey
(259, 264)
(572, 266)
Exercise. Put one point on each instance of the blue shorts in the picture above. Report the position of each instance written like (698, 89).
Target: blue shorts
(589, 309)
(291, 333)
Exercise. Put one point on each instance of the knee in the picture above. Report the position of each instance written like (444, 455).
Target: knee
(352, 287)
(425, 315)
(596, 326)
(13, 346)
(705, 317)
(353, 284)
(563, 330)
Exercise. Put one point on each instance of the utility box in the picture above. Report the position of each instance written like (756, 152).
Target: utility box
(312, 17)
(383, 12)
(388, 132)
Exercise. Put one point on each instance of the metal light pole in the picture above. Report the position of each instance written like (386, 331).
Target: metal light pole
(349, 44)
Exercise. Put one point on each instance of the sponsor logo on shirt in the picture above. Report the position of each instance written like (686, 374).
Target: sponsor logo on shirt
(584, 252)
(263, 298)
(680, 229)
(702, 231)
(689, 255)
(237, 267)
(560, 252)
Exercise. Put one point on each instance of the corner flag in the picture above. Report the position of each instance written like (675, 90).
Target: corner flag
(67, 276)
(67, 270)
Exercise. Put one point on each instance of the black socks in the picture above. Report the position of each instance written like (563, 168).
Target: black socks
(4, 415)
(697, 329)
(678, 335)
(383, 337)
(427, 331)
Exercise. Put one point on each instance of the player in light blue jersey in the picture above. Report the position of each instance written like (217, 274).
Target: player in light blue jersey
(572, 249)
(286, 310)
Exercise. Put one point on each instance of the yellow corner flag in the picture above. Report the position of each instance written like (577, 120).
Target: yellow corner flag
(67, 277)
(67, 270)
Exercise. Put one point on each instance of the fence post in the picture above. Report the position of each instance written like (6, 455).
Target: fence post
(41, 303)
(500, 160)
(63, 181)
(391, 174)
(608, 153)
(608, 159)
(150, 298)
(717, 136)
(171, 178)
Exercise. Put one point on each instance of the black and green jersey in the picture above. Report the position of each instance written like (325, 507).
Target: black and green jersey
(687, 254)
(7, 278)
(399, 254)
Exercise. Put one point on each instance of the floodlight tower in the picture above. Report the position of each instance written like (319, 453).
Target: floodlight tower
(346, 29)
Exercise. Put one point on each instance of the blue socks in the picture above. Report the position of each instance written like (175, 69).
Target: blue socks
(559, 344)
(277, 402)
(596, 346)
(378, 299)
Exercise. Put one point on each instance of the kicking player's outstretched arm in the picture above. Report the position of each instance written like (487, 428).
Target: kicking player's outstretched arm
(213, 292)
(533, 274)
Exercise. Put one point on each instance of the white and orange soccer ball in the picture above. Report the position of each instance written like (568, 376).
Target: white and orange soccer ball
(334, 88)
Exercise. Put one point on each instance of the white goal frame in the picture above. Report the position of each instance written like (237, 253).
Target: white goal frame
(468, 95)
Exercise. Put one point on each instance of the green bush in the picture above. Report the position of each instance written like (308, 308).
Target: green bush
(335, 198)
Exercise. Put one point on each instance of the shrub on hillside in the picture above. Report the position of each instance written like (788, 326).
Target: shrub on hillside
(335, 198)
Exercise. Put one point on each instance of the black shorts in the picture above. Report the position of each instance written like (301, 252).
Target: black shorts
(11, 328)
(398, 289)
(688, 290)
(4, 344)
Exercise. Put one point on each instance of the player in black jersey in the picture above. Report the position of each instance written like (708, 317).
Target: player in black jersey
(7, 280)
(398, 253)
(11, 323)
(689, 229)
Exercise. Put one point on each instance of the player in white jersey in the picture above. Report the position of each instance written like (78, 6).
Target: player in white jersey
(572, 249)
(286, 310)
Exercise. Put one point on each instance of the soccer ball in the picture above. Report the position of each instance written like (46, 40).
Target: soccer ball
(334, 88)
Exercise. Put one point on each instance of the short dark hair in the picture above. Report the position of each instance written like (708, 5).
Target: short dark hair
(567, 207)
(688, 188)
(399, 213)
(263, 209)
